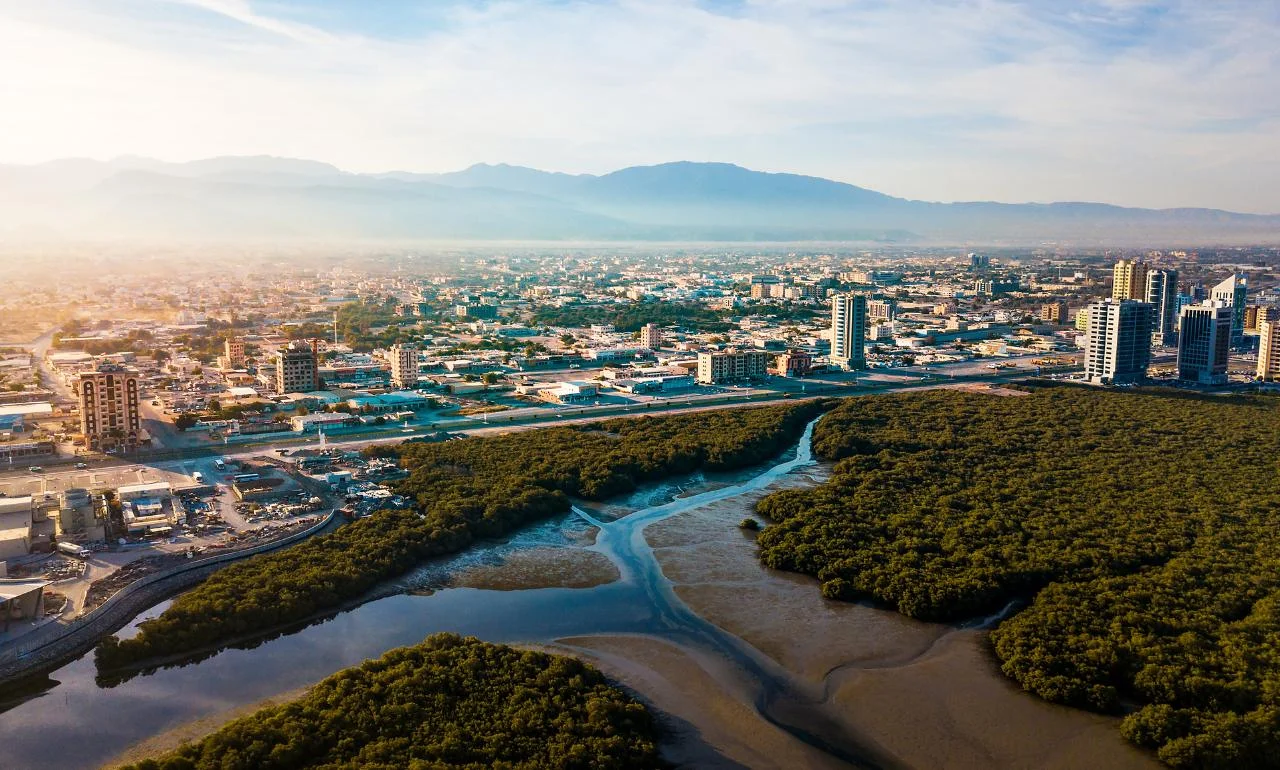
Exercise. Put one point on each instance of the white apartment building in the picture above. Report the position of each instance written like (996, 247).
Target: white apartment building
(404, 366)
(849, 331)
(1117, 342)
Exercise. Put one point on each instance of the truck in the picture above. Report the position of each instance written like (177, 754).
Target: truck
(75, 549)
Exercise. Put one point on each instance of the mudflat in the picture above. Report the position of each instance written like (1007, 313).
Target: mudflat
(930, 695)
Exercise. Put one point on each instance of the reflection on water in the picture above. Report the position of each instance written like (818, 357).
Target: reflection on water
(78, 724)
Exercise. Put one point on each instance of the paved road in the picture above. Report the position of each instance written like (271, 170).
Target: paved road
(178, 466)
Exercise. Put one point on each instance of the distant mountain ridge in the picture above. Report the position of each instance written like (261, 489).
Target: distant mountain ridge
(268, 197)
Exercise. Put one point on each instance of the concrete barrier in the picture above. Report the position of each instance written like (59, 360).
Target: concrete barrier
(56, 642)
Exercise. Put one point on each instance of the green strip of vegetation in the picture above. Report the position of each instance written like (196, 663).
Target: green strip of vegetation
(448, 702)
(1144, 530)
(477, 487)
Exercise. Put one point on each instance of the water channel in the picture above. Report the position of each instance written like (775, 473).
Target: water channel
(72, 722)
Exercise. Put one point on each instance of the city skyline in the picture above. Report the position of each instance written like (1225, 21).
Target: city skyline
(1152, 104)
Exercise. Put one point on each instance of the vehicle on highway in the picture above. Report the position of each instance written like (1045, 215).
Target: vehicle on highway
(81, 466)
(220, 464)
(36, 469)
(197, 477)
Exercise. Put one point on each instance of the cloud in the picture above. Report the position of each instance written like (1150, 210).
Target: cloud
(1144, 103)
(241, 11)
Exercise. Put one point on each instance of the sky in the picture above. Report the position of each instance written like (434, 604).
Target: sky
(1155, 103)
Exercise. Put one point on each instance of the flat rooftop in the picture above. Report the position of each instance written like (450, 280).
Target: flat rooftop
(12, 589)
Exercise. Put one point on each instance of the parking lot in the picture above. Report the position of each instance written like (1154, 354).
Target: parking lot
(51, 482)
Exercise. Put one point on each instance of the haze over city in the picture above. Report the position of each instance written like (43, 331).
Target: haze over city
(1151, 103)
(639, 385)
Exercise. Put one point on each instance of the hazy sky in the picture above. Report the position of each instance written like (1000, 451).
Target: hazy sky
(1160, 103)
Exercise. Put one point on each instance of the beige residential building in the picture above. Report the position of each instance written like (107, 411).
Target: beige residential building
(234, 353)
(1269, 350)
(109, 417)
(881, 309)
(732, 366)
(1054, 312)
(1129, 280)
(404, 366)
(297, 369)
(651, 337)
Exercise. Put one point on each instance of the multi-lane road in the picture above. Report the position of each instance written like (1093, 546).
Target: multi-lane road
(178, 465)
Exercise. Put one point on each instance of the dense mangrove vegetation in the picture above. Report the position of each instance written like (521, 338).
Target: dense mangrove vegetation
(1143, 530)
(477, 487)
(446, 703)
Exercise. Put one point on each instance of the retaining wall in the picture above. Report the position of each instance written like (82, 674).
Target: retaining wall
(56, 642)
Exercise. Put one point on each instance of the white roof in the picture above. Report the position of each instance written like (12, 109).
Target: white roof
(15, 525)
(69, 356)
(12, 589)
(15, 504)
(39, 407)
(142, 489)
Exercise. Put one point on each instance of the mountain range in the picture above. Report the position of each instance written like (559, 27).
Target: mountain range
(283, 198)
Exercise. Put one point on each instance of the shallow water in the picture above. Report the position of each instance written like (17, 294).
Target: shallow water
(812, 683)
(76, 723)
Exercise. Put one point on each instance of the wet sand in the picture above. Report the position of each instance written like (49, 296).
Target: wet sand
(539, 568)
(912, 694)
(706, 722)
(929, 694)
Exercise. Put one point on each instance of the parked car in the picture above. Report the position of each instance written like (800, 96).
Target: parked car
(81, 466)
(36, 469)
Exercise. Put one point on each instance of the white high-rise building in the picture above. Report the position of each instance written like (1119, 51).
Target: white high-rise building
(1204, 342)
(849, 331)
(1234, 291)
(1162, 295)
(404, 366)
(1117, 342)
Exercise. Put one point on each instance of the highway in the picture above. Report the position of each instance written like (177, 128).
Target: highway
(176, 466)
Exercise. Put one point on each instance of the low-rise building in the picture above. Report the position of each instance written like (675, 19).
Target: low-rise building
(307, 423)
(148, 509)
(732, 366)
(15, 526)
(1054, 312)
(793, 363)
(573, 392)
(658, 384)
